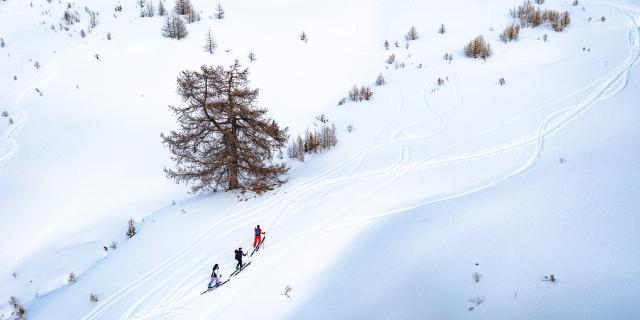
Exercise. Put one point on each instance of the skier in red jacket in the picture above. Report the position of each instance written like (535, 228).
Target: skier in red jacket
(258, 236)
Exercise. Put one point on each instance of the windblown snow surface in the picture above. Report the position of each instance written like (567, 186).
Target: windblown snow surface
(515, 182)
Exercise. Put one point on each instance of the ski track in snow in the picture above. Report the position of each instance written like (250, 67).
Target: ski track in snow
(50, 71)
(176, 281)
(319, 187)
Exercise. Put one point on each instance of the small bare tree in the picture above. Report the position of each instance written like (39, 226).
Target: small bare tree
(442, 29)
(131, 229)
(219, 12)
(210, 43)
(93, 298)
(71, 279)
(380, 80)
(412, 34)
(478, 48)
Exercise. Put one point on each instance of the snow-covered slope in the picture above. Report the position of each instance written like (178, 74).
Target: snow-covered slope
(533, 178)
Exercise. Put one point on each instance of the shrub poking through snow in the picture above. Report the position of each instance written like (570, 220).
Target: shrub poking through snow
(2, 43)
(501, 81)
(71, 279)
(19, 311)
(303, 36)
(131, 229)
(476, 276)
(391, 59)
(37, 65)
(442, 29)
(476, 301)
(113, 245)
(412, 34)
(313, 142)
(93, 298)
(530, 16)
(349, 128)
(386, 45)
(251, 56)
(366, 93)
(219, 12)
(510, 33)
(286, 292)
(448, 57)
(108, 35)
(354, 94)
(478, 48)
(380, 80)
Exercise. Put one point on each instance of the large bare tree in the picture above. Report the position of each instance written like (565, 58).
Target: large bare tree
(225, 140)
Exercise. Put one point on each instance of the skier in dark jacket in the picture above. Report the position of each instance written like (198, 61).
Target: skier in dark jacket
(215, 279)
(239, 254)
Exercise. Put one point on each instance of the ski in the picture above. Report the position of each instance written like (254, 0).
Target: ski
(214, 287)
(239, 270)
(258, 246)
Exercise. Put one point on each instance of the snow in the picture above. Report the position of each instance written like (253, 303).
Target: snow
(389, 224)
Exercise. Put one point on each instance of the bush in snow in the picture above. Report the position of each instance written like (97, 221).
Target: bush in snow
(19, 312)
(349, 128)
(37, 65)
(210, 44)
(219, 12)
(476, 301)
(476, 277)
(174, 27)
(574, 3)
(539, 1)
(251, 56)
(322, 118)
(312, 142)
(501, 81)
(5, 113)
(82, 33)
(366, 93)
(71, 279)
(2, 43)
(93, 298)
(412, 34)
(109, 36)
(303, 36)
(70, 18)
(286, 292)
(442, 29)
(603, 19)
(131, 229)
(342, 101)
(510, 33)
(448, 57)
(391, 59)
(10, 121)
(478, 48)
(113, 245)
(354, 94)
(380, 80)
(386, 45)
